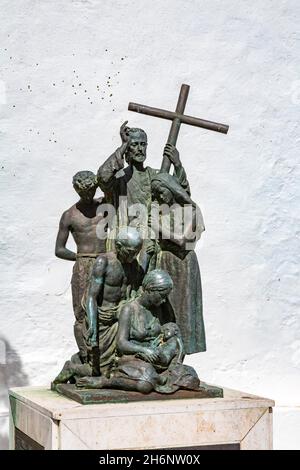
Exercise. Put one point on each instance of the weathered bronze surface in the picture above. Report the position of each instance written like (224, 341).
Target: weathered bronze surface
(81, 221)
(137, 292)
(90, 397)
(178, 117)
(114, 277)
(171, 116)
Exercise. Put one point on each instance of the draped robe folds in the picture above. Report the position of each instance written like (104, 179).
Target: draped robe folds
(184, 304)
(185, 301)
(80, 278)
(107, 328)
(144, 327)
(124, 188)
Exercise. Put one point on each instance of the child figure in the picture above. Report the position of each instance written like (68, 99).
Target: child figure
(168, 347)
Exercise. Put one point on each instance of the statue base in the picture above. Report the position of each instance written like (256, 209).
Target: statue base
(100, 396)
(43, 419)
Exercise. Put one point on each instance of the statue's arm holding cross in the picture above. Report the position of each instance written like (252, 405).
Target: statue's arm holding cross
(171, 153)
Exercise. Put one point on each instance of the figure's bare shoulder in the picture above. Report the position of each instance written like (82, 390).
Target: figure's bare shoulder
(68, 215)
(100, 265)
(102, 262)
(128, 308)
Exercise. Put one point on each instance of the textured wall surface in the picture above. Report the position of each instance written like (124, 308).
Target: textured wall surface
(68, 71)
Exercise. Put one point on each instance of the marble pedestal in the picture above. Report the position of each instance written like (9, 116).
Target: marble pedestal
(43, 419)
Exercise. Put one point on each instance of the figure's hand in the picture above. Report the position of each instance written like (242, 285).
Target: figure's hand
(124, 132)
(151, 247)
(148, 354)
(157, 341)
(172, 153)
(92, 336)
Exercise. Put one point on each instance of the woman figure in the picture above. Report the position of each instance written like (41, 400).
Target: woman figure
(178, 230)
(143, 364)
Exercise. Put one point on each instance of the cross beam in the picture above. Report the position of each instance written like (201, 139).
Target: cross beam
(178, 117)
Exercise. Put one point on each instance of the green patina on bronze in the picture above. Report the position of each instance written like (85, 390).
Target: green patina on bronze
(92, 397)
(137, 302)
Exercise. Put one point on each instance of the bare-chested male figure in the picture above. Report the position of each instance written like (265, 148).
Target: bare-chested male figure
(81, 220)
(114, 277)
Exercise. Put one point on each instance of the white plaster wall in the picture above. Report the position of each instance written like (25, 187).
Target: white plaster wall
(241, 59)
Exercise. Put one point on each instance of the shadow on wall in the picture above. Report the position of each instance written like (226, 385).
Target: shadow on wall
(11, 375)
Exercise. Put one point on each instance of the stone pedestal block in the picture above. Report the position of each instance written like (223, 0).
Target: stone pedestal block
(43, 419)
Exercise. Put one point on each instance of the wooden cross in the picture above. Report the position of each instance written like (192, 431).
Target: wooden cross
(177, 119)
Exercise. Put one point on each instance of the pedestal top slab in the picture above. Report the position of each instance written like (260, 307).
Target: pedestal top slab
(56, 406)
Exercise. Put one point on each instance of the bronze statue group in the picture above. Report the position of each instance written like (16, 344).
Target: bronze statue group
(137, 298)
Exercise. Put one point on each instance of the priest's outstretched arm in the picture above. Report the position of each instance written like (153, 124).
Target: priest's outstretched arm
(114, 163)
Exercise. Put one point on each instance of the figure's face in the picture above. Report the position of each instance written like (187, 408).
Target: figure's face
(164, 196)
(136, 151)
(169, 331)
(158, 297)
(86, 195)
(127, 254)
